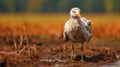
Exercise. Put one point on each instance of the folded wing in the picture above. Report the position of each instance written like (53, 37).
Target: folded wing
(88, 26)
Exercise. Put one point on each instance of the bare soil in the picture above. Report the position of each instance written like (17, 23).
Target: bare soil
(54, 53)
(43, 46)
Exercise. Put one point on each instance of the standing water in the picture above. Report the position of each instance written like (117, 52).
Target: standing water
(116, 64)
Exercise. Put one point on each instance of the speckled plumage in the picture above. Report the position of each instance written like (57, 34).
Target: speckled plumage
(77, 29)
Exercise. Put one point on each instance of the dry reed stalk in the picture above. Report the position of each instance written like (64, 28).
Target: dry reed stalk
(29, 48)
(8, 53)
(35, 49)
(25, 35)
(22, 50)
(15, 44)
(26, 38)
(21, 41)
(18, 49)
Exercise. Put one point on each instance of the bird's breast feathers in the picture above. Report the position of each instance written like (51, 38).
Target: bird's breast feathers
(71, 25)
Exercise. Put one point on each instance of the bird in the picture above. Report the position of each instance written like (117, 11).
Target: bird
(77, 30)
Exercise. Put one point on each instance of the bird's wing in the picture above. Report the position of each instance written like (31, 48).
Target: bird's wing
(87, 28)
(88, 24)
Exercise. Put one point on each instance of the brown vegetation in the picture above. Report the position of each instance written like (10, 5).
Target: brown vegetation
(99, 30)
(28, 51)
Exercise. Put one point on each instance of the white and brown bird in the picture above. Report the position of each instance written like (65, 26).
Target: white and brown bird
(77, 29)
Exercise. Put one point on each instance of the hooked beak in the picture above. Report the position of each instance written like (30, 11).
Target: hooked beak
(78, 15)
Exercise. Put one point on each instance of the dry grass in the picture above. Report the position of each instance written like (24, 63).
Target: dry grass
(107, 30)
(102, 30)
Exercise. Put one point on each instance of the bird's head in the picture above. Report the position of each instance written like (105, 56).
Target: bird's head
(75, 12)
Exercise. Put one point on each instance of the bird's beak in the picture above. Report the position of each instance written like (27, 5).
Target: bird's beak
(78, 15)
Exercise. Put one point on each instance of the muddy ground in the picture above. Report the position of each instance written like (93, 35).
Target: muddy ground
(53, 52)
(25, 44)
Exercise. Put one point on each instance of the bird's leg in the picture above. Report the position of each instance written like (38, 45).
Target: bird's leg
(72, 53)
(82, 52)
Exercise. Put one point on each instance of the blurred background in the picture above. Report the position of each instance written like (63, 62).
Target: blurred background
(32, 30)
(93, 6)
(46, 18)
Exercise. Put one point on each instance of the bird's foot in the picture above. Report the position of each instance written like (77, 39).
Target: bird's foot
(72, 56)
(82, 60)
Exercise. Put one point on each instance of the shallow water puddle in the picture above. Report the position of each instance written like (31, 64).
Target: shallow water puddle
(53, 60)
(60, 65)
(116, 64)
(108, 66)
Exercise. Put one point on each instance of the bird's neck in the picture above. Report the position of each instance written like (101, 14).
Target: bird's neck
(74, 17)
(75, 20)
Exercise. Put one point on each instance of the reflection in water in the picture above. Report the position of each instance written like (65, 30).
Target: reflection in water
(116, 64)
(118, 56)
(52, 60)
(60, 65)
(108, 66)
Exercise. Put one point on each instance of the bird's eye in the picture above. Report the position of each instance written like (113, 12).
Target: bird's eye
(73, 11)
